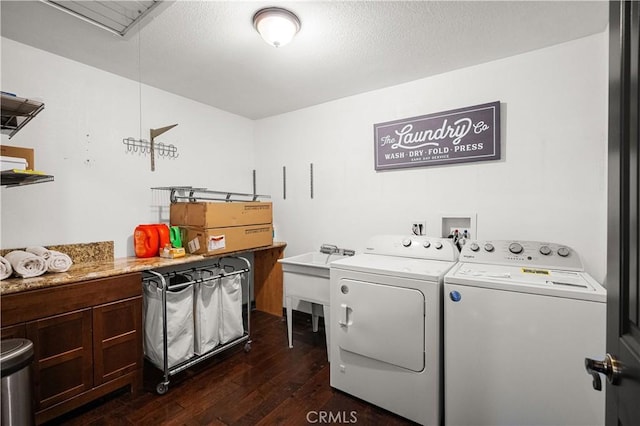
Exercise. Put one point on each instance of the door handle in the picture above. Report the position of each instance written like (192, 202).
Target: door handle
(609, 367)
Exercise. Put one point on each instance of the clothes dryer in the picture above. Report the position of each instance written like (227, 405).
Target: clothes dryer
(386, 324)
(519, 320)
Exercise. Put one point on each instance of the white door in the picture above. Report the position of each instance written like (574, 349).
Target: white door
(381, 322)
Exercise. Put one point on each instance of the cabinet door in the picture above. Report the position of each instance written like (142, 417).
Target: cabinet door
(117, 339)
(63, 356)
(17, 331)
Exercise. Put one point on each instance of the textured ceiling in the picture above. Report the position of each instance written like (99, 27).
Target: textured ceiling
(208, 50)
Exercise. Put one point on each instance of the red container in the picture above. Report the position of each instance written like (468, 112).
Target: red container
(146, 241)
(163, 236)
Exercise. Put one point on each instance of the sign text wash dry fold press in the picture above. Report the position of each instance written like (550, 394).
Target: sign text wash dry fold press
(456, 136)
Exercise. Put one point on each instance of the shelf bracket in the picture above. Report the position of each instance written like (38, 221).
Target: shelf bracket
(153, 134)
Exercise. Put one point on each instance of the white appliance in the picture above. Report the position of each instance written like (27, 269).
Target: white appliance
(519, 320)
(386, 326)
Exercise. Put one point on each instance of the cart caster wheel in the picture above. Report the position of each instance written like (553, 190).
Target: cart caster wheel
(162, 388)
(247, 347)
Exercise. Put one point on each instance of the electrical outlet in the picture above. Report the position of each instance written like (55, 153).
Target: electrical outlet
(418, 227)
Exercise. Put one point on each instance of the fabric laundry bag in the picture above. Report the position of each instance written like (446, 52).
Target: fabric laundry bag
(231, 326)
(207, 313)
(180, 326)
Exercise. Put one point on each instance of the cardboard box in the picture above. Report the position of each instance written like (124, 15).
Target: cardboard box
(220, 215)
(14, 151)
(213, 241)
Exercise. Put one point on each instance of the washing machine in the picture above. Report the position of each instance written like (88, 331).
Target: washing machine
(519, 320)
(386, 327)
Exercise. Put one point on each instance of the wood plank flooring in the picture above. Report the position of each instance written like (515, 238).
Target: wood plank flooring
(269, 385)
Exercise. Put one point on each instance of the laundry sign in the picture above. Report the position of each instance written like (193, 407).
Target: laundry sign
(456, 136)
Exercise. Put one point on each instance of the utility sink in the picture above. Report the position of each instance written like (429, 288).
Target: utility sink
(314, 263)
(306, 277)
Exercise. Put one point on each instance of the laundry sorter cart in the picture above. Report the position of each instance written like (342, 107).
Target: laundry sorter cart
(191, 315)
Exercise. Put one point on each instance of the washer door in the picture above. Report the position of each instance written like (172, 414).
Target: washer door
(382, 322)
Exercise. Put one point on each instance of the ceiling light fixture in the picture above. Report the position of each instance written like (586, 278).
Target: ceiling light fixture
(277, 26)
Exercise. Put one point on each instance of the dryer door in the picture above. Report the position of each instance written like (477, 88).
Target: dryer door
(382, 322)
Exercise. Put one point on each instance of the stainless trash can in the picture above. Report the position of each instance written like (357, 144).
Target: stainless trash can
(15, 357)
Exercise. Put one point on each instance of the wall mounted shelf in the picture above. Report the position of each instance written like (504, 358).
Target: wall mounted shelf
(16, 177)
(179, 193)
(17, 112)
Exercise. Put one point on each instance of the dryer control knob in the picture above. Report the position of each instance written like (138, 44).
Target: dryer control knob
(545, 250)
(489, 247)
(474, 247)
(438, 245)
(515, 248)
(426, 244)
(563, 251)
(406, 242)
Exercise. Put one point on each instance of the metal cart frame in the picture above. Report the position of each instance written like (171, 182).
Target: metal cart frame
(159, 279)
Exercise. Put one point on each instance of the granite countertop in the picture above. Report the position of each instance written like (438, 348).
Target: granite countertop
(92, 270)
(85, 271)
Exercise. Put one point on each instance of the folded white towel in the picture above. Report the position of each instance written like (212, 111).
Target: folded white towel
(26, 265)
(5, 268)
(58, 262)
(39, 251)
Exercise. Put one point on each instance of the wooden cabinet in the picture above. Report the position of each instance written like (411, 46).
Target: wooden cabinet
(87, 339)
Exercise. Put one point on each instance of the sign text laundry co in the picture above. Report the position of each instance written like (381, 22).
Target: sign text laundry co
(456, 136)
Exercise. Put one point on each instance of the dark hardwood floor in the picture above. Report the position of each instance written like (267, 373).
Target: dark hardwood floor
(269, 385)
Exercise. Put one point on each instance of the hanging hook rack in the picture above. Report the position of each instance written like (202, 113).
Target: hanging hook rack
(143, 146)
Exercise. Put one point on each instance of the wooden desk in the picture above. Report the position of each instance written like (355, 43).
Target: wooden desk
(267, 279)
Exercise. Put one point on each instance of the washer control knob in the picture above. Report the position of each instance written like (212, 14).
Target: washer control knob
(437, 245)
(516, 248)
(426, 244)
(406, 242)
(489, 247)
(545, 250)
(474, 247)
(563, 251)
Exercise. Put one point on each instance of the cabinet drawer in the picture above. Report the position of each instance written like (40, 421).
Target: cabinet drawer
(30, 305)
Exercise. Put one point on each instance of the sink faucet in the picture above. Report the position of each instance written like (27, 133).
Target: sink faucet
(328, 249)
(333, 249)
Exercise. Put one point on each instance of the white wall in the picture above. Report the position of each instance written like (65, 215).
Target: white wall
(101, 192)
(550, 184)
